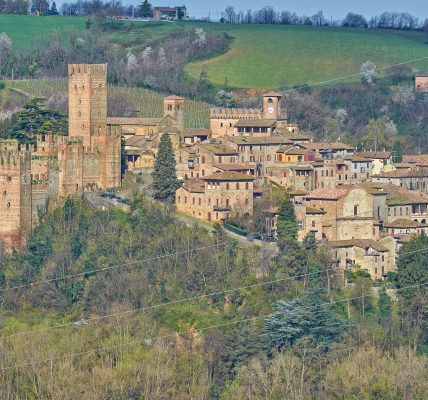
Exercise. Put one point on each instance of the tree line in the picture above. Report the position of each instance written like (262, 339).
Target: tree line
(268, 15)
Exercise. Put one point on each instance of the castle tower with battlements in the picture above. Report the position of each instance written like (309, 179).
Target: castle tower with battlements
(87, 101)
(15, 196)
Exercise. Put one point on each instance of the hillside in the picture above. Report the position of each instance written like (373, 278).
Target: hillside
(148, 102)
(261, 56)
(24, 29)
(270, 56)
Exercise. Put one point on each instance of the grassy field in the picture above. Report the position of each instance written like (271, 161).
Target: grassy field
(261, 56)
(269, 56)
(23, 30)
(149, 103)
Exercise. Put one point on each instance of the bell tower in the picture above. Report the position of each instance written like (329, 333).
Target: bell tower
(272, 105)
(174, 106)
(87, 101)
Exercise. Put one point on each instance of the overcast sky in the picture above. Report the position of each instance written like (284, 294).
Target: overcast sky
(332, 8)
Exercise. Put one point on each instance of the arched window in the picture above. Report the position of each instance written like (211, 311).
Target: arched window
(227, 186)
(237, 185)
(270, 101)
(356, 209)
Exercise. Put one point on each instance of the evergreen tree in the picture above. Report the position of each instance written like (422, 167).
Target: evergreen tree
(303, 318)
(286, 227)
(165, 181)
(53, 10)
(36, 119)
(39, 7)
(145, 10)
(385, 310)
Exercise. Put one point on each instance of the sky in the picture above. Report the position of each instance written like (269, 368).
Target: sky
(336, 9)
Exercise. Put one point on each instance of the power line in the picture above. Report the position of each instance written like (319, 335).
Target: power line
(90, 272)
(86, 321)
(149, 340)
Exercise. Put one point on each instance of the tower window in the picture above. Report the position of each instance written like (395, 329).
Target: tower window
(169, 107)
(270, 101)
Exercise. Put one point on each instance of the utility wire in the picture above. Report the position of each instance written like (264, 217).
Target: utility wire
(92, 272)
(150, 340)
(85, 321)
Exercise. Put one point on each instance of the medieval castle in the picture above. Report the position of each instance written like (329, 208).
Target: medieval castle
(57, 166)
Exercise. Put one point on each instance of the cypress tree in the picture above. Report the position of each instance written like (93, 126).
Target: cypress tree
(286, 227)
(165, 181)
(54, 10)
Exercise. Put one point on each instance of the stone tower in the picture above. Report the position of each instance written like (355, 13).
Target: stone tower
(174, 106)
(272, 105)
(87, 101)
(15, 197)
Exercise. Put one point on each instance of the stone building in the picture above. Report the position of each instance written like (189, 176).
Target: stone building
(251, 121)
(216, 197)
(15, 197)
(375, 257)
(351, 212)
(380, 159)
(410, 179)
(88, 158)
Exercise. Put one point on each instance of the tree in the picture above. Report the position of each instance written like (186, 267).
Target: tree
(5, 49)
(379, 133)
(368, 71)
(412, 272)
(286, 226)
(165, 181)
(224, 98)
(53, 10)
(39, 7)
(303, 317)
(353, 20)
(145, 10)
(36, 119)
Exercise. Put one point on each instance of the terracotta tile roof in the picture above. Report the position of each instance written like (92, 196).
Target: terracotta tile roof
(403, 173)
(191, 132)
(254, 140)
(218, 149)
(232, 167)
(294, 151)
(133, 121)
(272, 94)
(356, 158)
(194, 186)
(329, 194)
(415, 158)
(381, 155)
(403, 165)
(136, 141)
(228, 176)
(258, 123)
(397, 195)
(405, 223)
(327, 146)
(361, 243)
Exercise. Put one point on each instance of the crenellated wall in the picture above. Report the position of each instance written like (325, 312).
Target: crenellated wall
(15, 197)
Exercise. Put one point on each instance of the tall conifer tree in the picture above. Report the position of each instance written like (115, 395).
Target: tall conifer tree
(165, 181)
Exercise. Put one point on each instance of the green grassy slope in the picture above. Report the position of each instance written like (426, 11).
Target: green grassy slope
(268, 56)
(24, 29)
(261, 56)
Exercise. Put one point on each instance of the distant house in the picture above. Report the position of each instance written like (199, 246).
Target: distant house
(170, 13)
(421, 83)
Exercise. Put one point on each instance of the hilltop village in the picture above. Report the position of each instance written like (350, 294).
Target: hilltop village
(362, 204)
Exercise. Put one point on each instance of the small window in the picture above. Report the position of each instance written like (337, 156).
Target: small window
(355, 209)
(8, 204)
